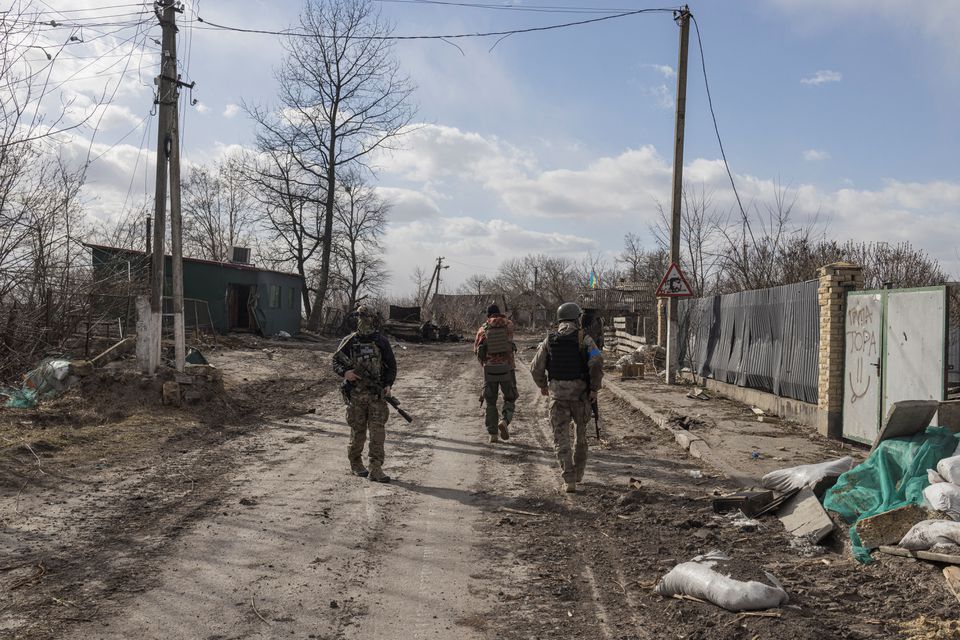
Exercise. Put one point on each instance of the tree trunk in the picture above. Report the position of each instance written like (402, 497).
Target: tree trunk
(317, 312)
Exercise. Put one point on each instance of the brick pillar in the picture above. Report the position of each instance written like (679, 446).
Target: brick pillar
(835, 280)
(662, 311)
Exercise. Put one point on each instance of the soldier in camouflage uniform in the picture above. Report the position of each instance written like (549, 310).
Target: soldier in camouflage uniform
(494, 348)
(366, 362)
(568, 367)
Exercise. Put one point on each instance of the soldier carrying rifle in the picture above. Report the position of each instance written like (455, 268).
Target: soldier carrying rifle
(366, 362)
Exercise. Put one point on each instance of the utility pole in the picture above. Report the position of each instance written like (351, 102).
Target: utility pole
(168, 151)
(683, 18)
(436, 291)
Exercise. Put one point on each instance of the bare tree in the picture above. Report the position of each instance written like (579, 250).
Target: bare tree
(477, 285)
(361, 218)
(699, 235)
(291, 203)
(217, 214)
(341, 97)
(641, 264)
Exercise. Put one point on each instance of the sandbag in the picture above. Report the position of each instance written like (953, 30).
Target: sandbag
(929, 533)
(699, 579)
(805, 475)
(949, 469)
(944, 497)
(933, 477)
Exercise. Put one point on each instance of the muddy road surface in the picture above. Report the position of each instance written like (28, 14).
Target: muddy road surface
(250, 526)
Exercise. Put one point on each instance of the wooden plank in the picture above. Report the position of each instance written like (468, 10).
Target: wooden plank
(921, 555)
(952, 575)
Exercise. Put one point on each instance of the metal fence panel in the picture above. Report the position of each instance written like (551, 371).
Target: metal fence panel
(767, 339)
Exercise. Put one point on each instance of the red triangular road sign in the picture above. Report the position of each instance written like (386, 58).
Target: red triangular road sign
(674, 284)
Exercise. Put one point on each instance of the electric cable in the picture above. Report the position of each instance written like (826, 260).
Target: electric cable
(713, 115)
(213, 26)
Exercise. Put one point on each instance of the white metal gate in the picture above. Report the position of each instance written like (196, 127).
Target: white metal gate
(896, 344)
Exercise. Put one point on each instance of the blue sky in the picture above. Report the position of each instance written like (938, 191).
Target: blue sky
(561, 141)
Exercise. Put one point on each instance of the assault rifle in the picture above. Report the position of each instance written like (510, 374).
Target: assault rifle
(368, 375)
(595, 408)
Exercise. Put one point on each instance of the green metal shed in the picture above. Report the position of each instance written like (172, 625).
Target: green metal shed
(241, 297)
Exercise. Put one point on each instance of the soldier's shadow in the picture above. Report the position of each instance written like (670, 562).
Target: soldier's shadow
(468, 498)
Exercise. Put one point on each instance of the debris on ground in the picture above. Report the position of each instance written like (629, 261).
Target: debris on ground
(927, 534)
(819, 477)
(749, 502)
(49, 379)
(943, 497)
(888, 527)
(115, 352)
(698, 393)
(906, 418)
(893, 476)
(711, 578)
(949, 469)
(803, 517)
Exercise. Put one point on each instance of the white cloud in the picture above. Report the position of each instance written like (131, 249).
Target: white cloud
(662, 95)
(231, 110)
(201, 108)
(822, 77)
(814, 155)
(664, 69)
(407, 205)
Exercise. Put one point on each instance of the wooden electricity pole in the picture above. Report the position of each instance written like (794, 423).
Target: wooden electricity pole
(683, 18)
(168, 151)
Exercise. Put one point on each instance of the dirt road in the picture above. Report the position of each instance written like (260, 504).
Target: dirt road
(259, 531)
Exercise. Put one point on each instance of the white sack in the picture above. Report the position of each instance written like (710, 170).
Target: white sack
(929, 533)
(949, 469)
(933, 477)
(944, 497)
(698, 579)
(805, 475)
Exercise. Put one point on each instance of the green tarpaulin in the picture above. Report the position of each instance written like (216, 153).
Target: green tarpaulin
(893, 476)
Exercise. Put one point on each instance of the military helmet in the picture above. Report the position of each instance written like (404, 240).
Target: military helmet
(364, 311)
(568, 311)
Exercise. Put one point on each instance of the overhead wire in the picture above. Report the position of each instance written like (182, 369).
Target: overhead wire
(213, 26)
(514, 8)
(713, 115)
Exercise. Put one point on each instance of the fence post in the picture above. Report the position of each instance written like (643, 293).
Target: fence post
(835, 280)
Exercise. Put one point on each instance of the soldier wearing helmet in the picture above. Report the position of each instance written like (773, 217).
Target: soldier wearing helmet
(568, 366)
(494, 348)
(366, 362)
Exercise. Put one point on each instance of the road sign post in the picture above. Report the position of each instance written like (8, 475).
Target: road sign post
(673, 285)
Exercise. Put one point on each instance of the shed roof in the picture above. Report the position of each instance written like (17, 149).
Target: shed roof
(225, 265)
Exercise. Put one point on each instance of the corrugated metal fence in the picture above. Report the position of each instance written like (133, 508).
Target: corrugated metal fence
(766, 339)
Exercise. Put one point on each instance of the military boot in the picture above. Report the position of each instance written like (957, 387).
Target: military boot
(377, 475)
(579, 474)
(357, 469)
(570, 487)
(502, 428)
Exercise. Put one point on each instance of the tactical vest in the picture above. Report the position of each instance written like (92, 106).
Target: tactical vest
(565, 357)
(367, 360)
(498, 342)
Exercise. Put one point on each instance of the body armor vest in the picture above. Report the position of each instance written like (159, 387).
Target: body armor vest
(497, 341)
(367, 360)
(565, 357)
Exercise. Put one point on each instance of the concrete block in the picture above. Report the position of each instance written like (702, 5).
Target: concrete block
(906, 418)
(171, 393)
(949, 415)
(685, 438)
(889, 527)
(803, 517)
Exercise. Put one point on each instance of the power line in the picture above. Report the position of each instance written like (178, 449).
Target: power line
(713, 115)
(501, 7)
(300, 34)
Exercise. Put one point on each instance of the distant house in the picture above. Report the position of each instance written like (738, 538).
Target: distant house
(239, 296)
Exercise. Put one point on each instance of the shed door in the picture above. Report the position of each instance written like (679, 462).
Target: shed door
(915, 345)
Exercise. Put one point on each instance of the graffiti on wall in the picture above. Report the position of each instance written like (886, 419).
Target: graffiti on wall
(863, 350)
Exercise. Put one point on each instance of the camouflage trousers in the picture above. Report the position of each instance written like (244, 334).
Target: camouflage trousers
(367, 412)
(569, 417)
(491, 391)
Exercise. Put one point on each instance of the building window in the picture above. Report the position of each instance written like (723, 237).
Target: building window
(274, 296)
(292, 303)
